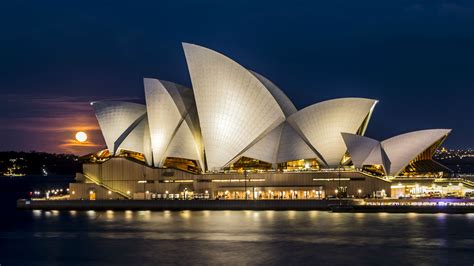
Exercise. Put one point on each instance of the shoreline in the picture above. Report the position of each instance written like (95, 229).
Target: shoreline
(346, 205)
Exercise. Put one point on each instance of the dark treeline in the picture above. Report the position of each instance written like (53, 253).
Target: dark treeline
(37, 163)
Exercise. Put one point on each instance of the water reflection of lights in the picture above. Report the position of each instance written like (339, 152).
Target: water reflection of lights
(37, 213)
(128, 215)
(206, 213)
(270, 214)
(91, 213)
(441, 216)
(185, 214)
(109, 214)
(167, 214)
(291, 214)
(73, 212)
(145, 214)
(412, 215)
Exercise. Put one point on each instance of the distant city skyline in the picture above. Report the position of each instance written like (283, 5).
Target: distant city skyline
(415, 58)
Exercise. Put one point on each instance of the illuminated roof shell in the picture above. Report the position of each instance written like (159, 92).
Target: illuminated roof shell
(395, 153)
(359, 147)
(321, 125)
(235, 109)
(402, 149)
(116, 120)
(170, 109)
(138, 140)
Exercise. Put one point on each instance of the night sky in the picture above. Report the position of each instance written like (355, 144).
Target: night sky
(415, 57)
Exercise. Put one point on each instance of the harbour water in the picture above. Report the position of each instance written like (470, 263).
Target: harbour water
(233, 237)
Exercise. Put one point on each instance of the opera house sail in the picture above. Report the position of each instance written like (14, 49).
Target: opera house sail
(200, 139)
(235, 109)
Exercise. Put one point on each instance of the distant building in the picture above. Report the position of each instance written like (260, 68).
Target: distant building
(235, 134)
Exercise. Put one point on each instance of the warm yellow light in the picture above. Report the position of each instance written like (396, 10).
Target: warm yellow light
(81, 136)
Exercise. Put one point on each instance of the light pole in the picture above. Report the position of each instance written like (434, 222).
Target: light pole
(144, 183)
(339, 180)
(245, 184)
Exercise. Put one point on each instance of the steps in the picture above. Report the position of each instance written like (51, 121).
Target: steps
(98, 182)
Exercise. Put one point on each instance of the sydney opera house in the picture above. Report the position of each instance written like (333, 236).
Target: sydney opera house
(236, 135)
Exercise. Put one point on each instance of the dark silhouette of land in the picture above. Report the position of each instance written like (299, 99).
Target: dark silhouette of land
(38, 163)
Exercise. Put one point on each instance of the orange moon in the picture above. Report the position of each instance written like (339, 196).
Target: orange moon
(81, 136)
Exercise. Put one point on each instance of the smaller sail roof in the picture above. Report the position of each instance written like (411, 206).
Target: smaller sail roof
(321, 125)
(395, 153)
(404, 148)
(116, 120)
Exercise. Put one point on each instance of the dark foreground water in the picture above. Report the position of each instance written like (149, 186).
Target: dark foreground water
(233, 237)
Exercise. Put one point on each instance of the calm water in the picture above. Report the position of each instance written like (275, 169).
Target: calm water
(233, 237)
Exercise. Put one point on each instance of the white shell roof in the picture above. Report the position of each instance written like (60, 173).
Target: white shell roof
(116, 120)
(404, 148)
(138, 140)
(234, 107)
(282, 144)
(378, 156)
(183, 145)
(359, 147)
(285, 103)
(168, 105)
(292, 146)
(321, 125)
(266, 149)
(395, 153)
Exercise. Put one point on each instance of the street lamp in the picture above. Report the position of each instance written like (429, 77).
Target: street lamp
(359, 191)
(245, 184)
(144, 183)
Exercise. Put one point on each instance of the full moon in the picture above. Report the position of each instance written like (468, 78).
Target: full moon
(81, 136)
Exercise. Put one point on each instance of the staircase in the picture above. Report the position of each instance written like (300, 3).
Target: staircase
(100, 183)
